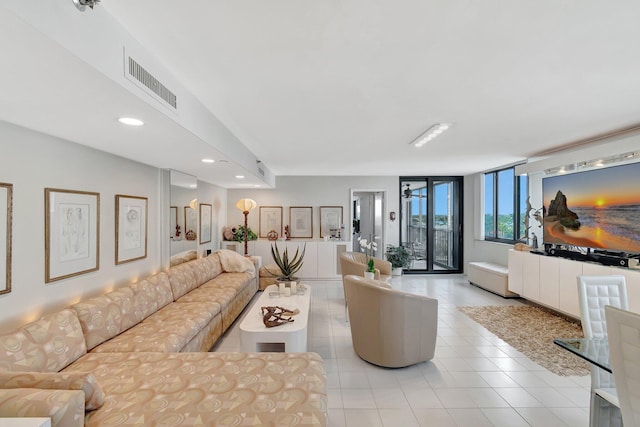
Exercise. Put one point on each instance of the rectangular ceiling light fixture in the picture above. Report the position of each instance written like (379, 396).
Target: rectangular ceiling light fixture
(431, 133)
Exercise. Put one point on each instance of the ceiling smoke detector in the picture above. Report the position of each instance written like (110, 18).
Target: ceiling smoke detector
(82, 4)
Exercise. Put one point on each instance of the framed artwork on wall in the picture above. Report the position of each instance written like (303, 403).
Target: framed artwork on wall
(131, 228)
(330, 219)
(6, 214)
(72, 233)
(190, 223)
(301, 221)
(270, 219)
(206, 211)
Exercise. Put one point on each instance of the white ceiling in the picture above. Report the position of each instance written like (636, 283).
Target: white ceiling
(342, 87)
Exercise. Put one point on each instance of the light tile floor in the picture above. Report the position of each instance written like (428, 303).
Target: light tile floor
(475, 379)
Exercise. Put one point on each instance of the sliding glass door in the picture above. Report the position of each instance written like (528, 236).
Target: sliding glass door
(431, 223)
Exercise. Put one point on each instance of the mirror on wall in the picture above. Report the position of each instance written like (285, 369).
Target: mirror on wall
(183, 217)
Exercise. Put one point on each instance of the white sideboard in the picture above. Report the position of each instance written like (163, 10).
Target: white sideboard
(551, 281)
(321, 258)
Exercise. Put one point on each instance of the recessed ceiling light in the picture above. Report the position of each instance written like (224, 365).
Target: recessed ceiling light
(130, 121)
(208, 161)
(240, 176)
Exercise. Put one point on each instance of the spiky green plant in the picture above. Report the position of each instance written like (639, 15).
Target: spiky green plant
(289, 267)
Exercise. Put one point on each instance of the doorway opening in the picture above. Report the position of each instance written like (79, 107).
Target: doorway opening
(431, 223)
(367, 216)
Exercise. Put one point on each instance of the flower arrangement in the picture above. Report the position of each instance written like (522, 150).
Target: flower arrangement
(368, 248)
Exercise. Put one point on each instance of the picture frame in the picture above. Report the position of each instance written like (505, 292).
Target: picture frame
(270, 219)
(6, 219)
(190, 223)
(330, 218)
(72, 233)
(301, 222)
(132, 214)
(206, 212)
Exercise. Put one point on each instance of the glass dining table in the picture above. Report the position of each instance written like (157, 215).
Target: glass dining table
(593, 350)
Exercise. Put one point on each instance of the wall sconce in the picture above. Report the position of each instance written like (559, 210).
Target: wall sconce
(245, 205)
(392, 216)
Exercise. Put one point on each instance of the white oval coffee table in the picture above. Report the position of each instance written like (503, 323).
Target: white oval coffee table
(290, 337)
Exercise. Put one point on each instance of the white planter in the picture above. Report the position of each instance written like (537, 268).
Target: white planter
(369, 275)
(396, 271)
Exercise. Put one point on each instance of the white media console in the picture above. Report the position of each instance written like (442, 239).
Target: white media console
(551, 281)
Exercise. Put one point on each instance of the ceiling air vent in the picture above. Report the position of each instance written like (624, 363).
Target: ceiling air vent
(261, 171)
(136, 72)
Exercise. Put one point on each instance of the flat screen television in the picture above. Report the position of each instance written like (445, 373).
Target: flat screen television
(598, 209)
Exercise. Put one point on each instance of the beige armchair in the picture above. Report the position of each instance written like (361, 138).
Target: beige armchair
(355, 263)
(390, 328)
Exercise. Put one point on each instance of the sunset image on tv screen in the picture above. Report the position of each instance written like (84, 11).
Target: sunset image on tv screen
(599, 208)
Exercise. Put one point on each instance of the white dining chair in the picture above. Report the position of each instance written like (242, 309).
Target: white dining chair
(623, 329)
(594, 292)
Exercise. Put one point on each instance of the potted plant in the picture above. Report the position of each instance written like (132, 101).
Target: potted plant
(368, 248)
(238, 234)
(399, 258)
(287, 266)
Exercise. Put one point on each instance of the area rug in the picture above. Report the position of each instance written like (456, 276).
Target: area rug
(531, 331)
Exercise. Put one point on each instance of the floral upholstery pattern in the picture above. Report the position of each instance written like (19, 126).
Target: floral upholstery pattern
(152, 293)
(85, 381)
(206, 338)
(213, 265)
(64, 407)
(46, 345)
(108, 315)
(208, 388)
(182, 279)
(168, 330)
(235, 281)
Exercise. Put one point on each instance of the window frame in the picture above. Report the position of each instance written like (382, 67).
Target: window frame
(518, 212)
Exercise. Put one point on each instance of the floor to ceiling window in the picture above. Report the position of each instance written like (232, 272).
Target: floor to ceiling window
(430, 223)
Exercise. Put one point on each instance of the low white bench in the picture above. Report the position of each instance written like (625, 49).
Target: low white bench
(491, 277)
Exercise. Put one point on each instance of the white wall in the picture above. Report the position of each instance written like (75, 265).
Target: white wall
(32, 161)
(317, 191)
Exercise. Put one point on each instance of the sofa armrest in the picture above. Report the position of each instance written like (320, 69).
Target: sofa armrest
(64, 407)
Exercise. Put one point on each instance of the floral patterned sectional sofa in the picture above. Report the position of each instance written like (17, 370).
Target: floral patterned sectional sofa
(137, 356)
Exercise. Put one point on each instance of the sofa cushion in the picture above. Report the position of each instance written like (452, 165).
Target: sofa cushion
(108, 315)
(215, 294)
(167, 330)
(213, 265)
(182, 279)
(46, 345)
(85, 381)
(152, 293)
(237, 281)
(203, 271)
